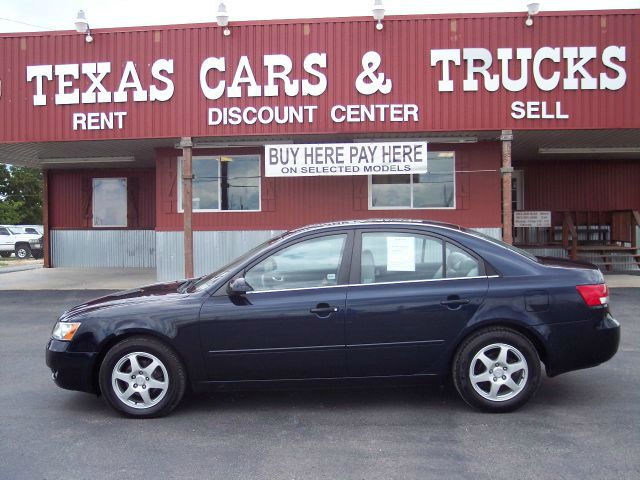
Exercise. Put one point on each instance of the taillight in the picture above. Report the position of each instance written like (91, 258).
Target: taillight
(594, 295)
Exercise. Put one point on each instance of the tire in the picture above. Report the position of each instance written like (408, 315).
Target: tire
(23, 251)
(480, 376)
(5, 254)
(136, 397)
(37, 254)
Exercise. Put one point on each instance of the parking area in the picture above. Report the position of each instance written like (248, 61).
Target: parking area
(580, 425)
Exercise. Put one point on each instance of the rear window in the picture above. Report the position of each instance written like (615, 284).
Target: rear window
(495, 241)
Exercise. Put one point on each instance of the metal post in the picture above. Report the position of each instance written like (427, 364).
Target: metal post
(187, 175)
(45, 219)
(506, 171)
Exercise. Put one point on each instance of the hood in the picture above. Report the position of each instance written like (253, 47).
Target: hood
(149, 293)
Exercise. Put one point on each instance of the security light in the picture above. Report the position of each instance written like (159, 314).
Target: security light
(82, 26)
(532, 9)
(223, 19)
(378, 13)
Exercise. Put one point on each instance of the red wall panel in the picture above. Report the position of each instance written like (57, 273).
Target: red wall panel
(72, 194)
(405, 44)
(293, 202)
(575, 185)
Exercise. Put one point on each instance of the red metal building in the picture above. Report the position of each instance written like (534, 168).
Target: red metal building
(533, 119)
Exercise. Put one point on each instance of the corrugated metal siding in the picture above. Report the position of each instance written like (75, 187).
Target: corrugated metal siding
(293, 202)
(404, 44)
(595, 185)
(211, 250)
(72, 196)
(103, 248)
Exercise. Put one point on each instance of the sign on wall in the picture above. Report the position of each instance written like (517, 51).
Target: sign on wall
(531, 219)
(313, 159)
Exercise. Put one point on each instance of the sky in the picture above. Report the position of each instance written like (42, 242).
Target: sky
(41, 15)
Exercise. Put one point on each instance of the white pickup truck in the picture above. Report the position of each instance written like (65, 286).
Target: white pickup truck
(15, 239)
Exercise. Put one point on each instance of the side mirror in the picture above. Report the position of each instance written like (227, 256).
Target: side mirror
(238, 286)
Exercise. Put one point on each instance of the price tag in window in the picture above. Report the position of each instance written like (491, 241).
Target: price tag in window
(401, 254)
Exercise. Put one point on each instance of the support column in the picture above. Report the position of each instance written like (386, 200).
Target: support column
(46, 248)
(506, 171)
(187, 176)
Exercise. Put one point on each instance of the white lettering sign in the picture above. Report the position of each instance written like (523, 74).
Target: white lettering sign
(531, 218)
(577, 64)
(401, 254)
(307, 160)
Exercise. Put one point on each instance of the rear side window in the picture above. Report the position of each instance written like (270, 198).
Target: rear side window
(398, 257)
(460, 264)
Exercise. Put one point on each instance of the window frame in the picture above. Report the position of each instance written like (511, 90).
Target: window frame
(411, 207)
(93, 202)
(180, 160)
(356, 260)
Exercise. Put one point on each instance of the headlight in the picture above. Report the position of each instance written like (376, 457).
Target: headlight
(65, 330)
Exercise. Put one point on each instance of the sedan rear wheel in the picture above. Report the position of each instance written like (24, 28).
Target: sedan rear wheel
(142, 377)
(497, 370)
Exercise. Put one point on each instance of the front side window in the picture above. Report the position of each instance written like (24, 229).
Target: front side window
(224, 183)
(435, 189)
(109, 202)
(308, 264)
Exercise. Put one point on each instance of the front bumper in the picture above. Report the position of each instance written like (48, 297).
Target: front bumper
(71, 370)
(576, 345)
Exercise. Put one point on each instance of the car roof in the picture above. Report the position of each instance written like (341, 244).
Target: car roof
(372, 222)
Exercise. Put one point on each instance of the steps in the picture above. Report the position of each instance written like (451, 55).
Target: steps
(610, 258)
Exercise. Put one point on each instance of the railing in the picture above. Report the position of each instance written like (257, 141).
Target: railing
(584, 228)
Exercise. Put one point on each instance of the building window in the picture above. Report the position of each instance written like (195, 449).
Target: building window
(223, 183)
(435, 189)
(109, 202)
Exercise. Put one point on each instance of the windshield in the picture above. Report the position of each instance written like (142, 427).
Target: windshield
(205, 282)
(524, 253)
(16, 230)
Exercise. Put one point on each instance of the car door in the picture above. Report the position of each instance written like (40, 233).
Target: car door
(410, 294)
(291, 326)
(5, 239)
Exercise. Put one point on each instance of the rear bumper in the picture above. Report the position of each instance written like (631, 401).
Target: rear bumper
(70, 370)
(577, 345)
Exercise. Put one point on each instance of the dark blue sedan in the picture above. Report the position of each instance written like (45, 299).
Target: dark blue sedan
(344, 303)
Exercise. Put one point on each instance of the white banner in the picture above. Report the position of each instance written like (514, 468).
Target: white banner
(315, 159)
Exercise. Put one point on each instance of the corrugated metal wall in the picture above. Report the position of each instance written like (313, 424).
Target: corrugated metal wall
(404, 45)
(103, 248)
(581, 185)
(293, 202)
(212, 250)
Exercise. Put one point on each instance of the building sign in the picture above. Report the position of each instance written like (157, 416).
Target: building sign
(305, 160)
(404, 79)
(531, 219)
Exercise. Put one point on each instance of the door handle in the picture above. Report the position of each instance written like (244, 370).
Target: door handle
(454, 303)
(324, 310)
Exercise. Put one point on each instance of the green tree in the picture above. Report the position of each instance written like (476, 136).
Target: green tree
(20, 195)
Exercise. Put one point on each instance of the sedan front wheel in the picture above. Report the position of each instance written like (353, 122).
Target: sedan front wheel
(497, 370)
(142, 377)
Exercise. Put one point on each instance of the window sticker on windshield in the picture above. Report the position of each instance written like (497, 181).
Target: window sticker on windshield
(401, 255)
